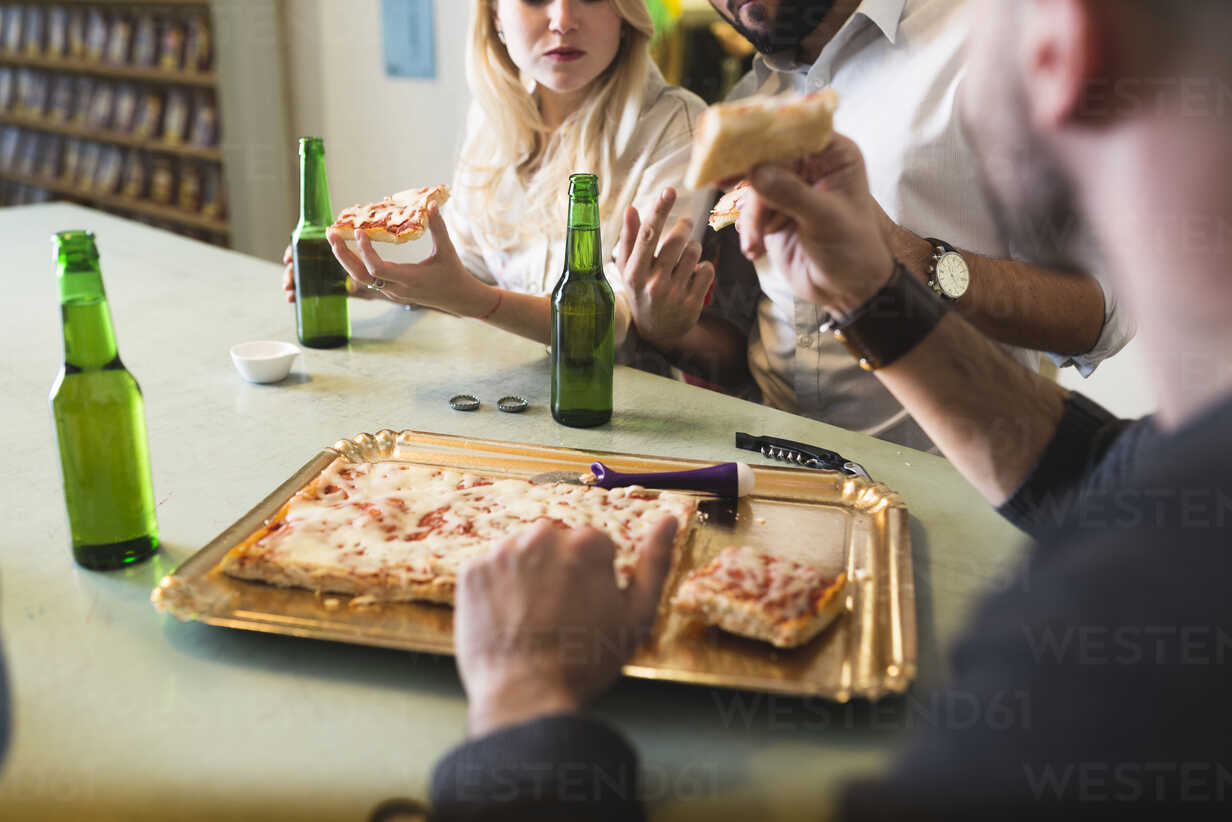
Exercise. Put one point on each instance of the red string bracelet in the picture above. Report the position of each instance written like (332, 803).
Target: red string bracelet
(500, 298)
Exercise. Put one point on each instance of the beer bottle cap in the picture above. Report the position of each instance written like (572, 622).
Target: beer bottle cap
(464, 402)
(512, 405)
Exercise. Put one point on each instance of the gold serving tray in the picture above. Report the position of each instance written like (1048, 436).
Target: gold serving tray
(841, 523)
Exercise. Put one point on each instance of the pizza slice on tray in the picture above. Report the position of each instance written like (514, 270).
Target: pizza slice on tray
(397, 531)
(745, 592)
(399, 218)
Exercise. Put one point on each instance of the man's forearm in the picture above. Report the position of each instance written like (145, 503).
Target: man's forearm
(988, 414)
(1017, 303)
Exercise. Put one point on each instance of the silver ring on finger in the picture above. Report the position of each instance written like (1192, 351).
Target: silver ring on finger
(377, 285)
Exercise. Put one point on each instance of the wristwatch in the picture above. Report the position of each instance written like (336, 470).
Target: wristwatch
(948, 273)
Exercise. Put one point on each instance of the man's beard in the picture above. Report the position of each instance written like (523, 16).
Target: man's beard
(1031, 198)
(795, 20)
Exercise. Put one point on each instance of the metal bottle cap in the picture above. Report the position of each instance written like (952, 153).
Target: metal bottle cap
(464, 402)
(512, 405)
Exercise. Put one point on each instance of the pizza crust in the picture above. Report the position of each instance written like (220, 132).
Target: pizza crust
(379, 235)
(733, 138)
(322, 579)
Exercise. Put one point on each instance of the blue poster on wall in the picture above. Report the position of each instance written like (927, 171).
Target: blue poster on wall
(409, 36)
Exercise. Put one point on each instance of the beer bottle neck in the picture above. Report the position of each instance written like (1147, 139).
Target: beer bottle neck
(583, 246)
(314, 208)
(89, 340)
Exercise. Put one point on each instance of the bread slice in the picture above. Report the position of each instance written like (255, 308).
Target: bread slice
(756, 595)
(733, 138)
(399, 218)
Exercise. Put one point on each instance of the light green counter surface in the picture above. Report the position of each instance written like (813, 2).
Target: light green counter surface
(122, 713)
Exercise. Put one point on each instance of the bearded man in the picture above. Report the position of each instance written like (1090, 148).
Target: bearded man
(897, 66)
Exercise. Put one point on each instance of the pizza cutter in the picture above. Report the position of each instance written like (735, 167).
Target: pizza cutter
(731, 479)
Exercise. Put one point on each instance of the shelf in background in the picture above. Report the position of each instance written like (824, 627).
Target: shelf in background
(201, 3)
(157, 211)
(210, 155)
(143, 74)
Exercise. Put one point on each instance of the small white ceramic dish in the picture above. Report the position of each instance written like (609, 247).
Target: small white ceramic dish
(264, 361)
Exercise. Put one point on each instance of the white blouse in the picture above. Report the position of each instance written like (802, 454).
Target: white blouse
(653, 152)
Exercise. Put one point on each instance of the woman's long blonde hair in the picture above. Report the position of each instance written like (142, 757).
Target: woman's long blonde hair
(514, 139)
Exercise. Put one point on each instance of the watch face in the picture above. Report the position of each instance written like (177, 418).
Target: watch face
(953, 275)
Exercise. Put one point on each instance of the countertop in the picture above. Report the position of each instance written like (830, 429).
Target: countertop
(123, 713)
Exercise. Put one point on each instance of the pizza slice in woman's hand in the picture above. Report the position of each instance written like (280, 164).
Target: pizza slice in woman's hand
(399, 218)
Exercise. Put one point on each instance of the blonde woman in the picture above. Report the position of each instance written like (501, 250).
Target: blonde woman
(561, 86)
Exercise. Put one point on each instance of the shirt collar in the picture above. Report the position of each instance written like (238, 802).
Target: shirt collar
(885, 14)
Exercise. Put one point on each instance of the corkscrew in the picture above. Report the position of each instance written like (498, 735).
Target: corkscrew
(798, 453)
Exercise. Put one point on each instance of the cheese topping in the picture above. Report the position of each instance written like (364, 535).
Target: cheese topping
(783, 588)
(419, 523)
(403, 213)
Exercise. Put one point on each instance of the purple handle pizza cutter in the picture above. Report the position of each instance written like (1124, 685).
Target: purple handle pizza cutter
(731, 479)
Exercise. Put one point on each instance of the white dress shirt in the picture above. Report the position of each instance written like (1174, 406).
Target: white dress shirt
(651, 153)
(897, 66)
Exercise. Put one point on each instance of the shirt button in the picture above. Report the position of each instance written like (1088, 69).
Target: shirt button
(805, 341)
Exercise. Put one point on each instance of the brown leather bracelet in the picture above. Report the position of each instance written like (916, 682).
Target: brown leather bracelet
(892, 323)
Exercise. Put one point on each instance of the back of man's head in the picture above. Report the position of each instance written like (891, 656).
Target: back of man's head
(1084, 107)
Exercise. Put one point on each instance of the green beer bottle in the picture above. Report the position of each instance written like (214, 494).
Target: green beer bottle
(100, 422)
(583, 314)
(321, 313)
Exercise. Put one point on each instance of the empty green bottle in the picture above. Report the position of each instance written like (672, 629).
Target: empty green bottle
(583, 317)
(100, 422)
(321, 313)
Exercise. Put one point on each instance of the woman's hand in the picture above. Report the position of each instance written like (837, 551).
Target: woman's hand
(288, 273)
(666, 290)
(440, 281)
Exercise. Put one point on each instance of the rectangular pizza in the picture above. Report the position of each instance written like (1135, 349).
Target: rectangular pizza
(753, 594)
(398, 531)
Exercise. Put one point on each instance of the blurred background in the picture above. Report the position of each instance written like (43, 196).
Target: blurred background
(184, 113)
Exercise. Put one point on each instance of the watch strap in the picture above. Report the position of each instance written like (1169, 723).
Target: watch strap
(892, 323)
